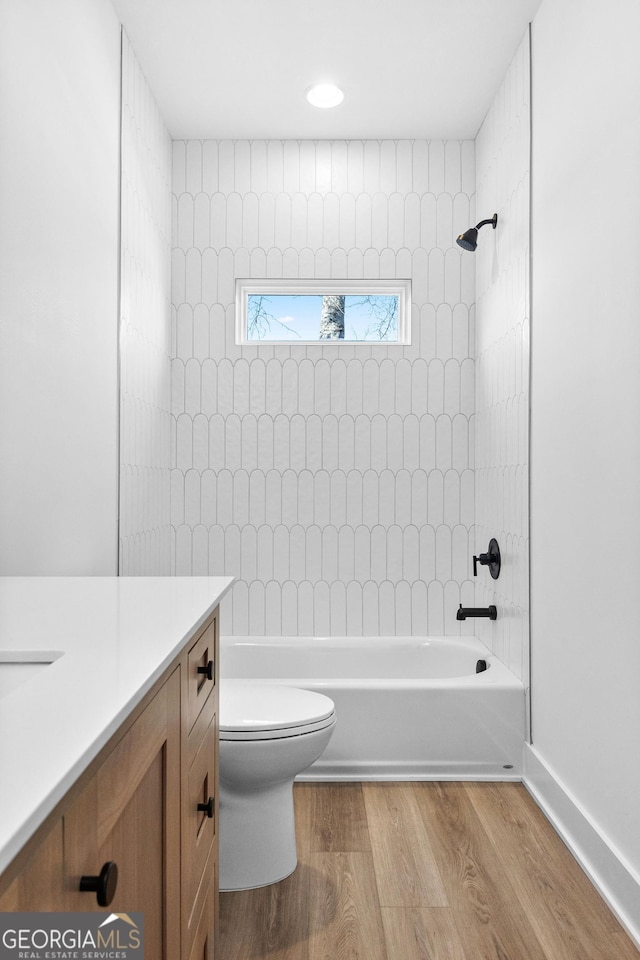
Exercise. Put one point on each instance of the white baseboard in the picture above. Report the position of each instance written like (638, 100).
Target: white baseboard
(616, 882)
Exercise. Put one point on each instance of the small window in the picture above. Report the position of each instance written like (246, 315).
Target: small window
(323, 311)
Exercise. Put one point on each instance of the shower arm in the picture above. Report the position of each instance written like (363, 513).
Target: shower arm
(492, 220)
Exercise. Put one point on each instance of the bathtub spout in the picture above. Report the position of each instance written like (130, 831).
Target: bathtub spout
(464, 612)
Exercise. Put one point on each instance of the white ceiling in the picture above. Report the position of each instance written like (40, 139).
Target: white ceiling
(239, 69)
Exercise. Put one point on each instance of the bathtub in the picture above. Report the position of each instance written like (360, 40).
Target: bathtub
(408, 708)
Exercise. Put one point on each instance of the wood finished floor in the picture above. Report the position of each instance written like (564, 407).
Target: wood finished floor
(423, 871)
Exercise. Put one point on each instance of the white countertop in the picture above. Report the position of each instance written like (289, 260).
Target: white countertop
(117, 635)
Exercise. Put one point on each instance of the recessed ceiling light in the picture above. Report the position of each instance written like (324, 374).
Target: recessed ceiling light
(325, 95)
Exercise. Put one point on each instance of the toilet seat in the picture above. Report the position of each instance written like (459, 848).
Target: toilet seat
(257, 711)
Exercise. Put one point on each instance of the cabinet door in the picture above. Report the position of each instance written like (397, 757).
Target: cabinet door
(129, 813)
(40, 883)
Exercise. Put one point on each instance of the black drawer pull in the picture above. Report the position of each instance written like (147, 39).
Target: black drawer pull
(207, 807)
(104, 885)
(207, 671)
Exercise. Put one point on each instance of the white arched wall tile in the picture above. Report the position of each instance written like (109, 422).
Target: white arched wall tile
(346, 553)
(200, 551)
(370, 498)
(305, 498)
(419, 609)
(240, 608)
(338, 267)
(403, 626)
(192, 498)
(460, 556)
(322, 610)
(233, 444)
(273, 609)
(436, 276)
(443, 442)
(403, 387)
(354, 501)
(451, 509)
(378, 554)
(330, 548)
(387, 608)
(305, 609)
(402, 513)
(289, 596)
(395, 542)
(330, 444)
(370, 615)
(411, 554)
(354, 612)
(435, 608)
(336, 466)
(224, 495)
(314, 216)
(208, 486)
(362, 554)
(201, 221)
(240, 497)
(338, 498)
(411, 443)
(200, 442)
(313, 553)
(419, 498)
(443, 553)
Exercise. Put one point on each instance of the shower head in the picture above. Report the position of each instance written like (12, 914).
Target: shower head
(469, 239)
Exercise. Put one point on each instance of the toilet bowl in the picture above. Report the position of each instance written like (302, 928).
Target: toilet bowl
(268, 735)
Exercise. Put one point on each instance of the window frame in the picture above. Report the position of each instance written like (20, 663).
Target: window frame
(248, 287)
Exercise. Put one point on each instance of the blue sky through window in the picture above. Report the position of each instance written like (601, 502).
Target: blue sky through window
(297, 318)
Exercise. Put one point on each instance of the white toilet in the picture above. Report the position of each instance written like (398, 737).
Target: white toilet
(268, 735)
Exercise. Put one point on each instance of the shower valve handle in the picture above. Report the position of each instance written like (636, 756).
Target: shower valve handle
(485, 559)
(489, 559)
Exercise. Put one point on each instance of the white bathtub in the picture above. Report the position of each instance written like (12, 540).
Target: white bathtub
(408, 708)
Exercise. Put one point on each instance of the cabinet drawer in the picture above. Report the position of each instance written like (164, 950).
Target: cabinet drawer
(202, 671)
(200, 728)
(203, 933)
(199, 828)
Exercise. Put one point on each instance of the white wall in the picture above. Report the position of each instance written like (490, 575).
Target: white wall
(585, 456)
(336, 484)
(145, 328)
(59, 117)
(502, 363)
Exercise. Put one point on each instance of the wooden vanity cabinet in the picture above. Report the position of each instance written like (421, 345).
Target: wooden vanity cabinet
(149, 803)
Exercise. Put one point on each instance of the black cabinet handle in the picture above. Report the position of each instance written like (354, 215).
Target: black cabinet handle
(207, 671)
(207, 807)
(104, 885)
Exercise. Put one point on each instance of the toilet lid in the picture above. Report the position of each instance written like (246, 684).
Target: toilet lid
(249, 710)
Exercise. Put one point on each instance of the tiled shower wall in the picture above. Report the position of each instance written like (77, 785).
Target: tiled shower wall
(502, 363)
(335, 482)
(145, 328)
